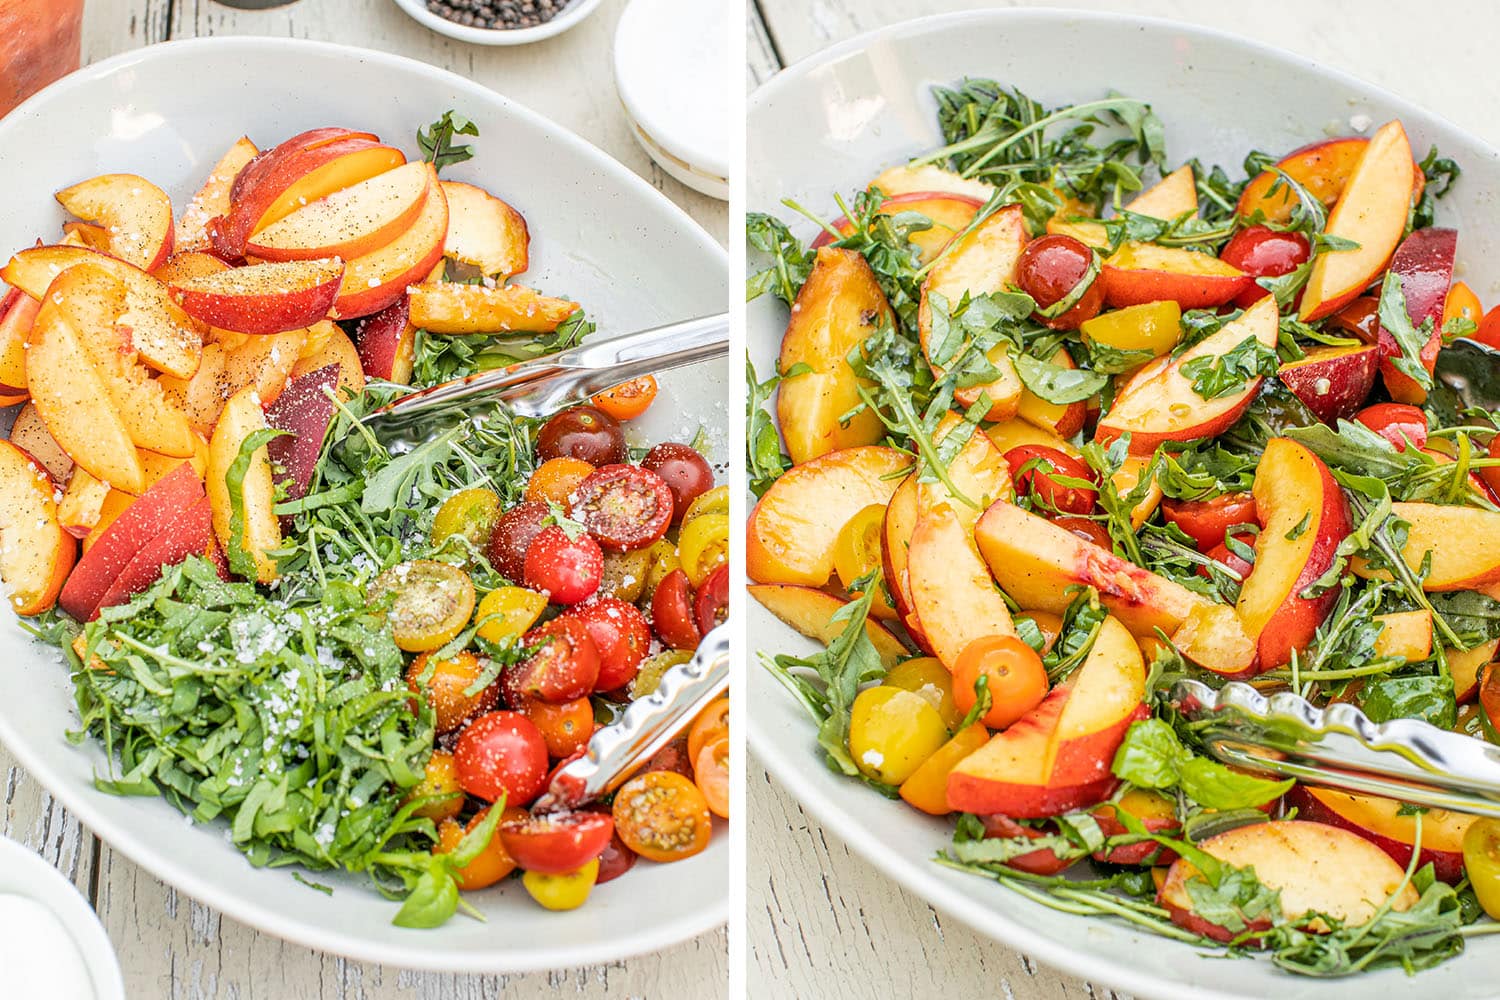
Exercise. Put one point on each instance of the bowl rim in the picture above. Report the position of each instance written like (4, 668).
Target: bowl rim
(575, 12)
(790, 765)
(63, 900)
(247, 910)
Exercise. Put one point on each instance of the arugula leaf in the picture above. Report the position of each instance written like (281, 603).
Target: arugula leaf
(1396, 321)
(436, 140)
(1057, 384)
(765, 462)
(1225, 374)
(792, 262)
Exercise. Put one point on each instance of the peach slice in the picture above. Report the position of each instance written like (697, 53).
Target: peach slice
(1035, 562)
(1138, 273)
(88, 235)
(982, 262)
(791, 531)
(1175, 194)
(1009, 773)
(1372, 212)
(189, 535)
(212, 199)
(485, 232)
(349, 223)
(895, 539)
(1464, 544)
(305, 409)
(82, 500)
(839, 306)
(188, 264)
(136, 214)
(1386, 824)
(1322, 167)
(1127, 477)
(1062, 419)
(382, 276)
(387, 343)
(1214, 637)
(30, 434)
(951, 590)
(201, 397)
(264, 364)
(1408, 634)
(158, 466)
(1465, 665)
(1107, 695)
(338, 350)
(35, 553)
(979, 472)
(17, 314)
(948, 213)
(1159, 403)
(1304, 517)
(1010, 434)
(1332, 382)
(929, 178)
(114, 505)
(166, 338)
(1317, 869)
(263, 298)
(260, 529)
(808, 610)
(452, 308)
(1424, 264)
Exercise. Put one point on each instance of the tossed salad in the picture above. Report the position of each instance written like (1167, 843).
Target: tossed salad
(1045, 435)
(357, 656)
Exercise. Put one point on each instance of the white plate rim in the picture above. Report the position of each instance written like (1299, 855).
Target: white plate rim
(248, 911)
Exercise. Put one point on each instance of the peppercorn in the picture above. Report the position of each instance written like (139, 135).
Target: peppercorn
(504, 15)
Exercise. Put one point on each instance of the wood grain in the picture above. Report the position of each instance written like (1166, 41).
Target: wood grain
(168, 944)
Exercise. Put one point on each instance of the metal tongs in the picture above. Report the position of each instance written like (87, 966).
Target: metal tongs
(649, 723)
(541, 386)
(1339, 747)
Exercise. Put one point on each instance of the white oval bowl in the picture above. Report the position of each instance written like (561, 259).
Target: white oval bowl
(571, 15)
(600, 234)
(25, 873)
(833, 121)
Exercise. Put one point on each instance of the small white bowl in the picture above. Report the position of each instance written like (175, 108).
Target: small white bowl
(25, 873)
(575, 12)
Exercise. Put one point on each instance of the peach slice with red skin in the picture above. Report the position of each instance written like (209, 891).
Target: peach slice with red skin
(790, 534)
(1331, 381)
(929, 178)
(1304, 517)
(1424, 264)
(485, 232)
(1173, 195)
(17, 314)
(949, 214)
(1383, 823)
(1463, 542)
(189, 535)
(304, 410)
(351, 222)
(951, 590)
(1322, 167)
(895, 538)
(82, 500)
(263, 298)
(1371, 212)
(1062, 419)
(35, 553)
(809, 610)
(1159, 403)
(387, 343)
(337, 350)
(136, 214)
(382, 276)
(212, 199)
(1465, 665)
(839, 306)
(458, 309)
(1138, 273)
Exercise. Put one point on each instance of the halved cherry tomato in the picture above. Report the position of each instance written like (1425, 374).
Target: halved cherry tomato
(926, 676)
(1482, 863)
(711, 775)
(686, 473)
(566, 727)
(1017, 679)
(558, 843)
(663, 560)
(445, 688)
(662, 816)
(1049, 270)
(624, 507)
(1489, 694)
(1461, 303)
(625, 574)
(1087, 529)
(567, 569)
(471, 513)
(615, 860)
(649, 676)
(672, 612)
(1033, 466)
(628, 400)
(1228, 557)
(715, 501)
(703, 546)
(1207, 521)
(1396, 422)
(502, 753)
(621, 634)
(583, 432)
(711, 605)
(432, 604)
(511, 610)
(858, 550)
(567, 891)
(672, 757)
(491, 865)
(514, 531)
(1039, 862)
(556, 479)
(1262, 252)
(564, 665)
(1488, 333)
(711, 723)
(439, 782)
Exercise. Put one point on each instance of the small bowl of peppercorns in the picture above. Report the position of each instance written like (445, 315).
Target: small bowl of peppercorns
(499, 22)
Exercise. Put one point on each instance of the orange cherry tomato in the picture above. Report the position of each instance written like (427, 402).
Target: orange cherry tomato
(711, 723)
(492, 864)
(445, 688)
(711, 775)
(662, 816)
(1488, 333)
(566, 727)
(628, 400)
(1017, 679)
(557, 478)
(440, 777)
(1462, 303)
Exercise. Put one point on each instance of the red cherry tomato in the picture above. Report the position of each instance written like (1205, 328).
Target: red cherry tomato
(620, 633)
(1396, 422)
(501, 753)
(512, 536)
(557, 843)
(1206, 521)
(1039, 862)
(1089, 531)
(615, 860)
(1038, 480)
(584, 432)
(567, 570)
(711, 606)
(672, 612)
(674, 757)
(1488, 332)
(1223, 554)
(687, 474)
(625, 507)
(564, 666)
(1049, 269)
(1262, 252)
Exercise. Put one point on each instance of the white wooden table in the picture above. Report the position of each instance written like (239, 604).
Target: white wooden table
(820, 922)
(169, 945)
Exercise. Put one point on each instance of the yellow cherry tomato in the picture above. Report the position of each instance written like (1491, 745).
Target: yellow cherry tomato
(562, 892)
(1482, 863)
(517, 608)
(649, 675)
(926, 676)
(857, 551)
(891, 732)
(471, 513)
(663, 560)
(1151, 326)
(439, 778)
(703, 546)
(715, 501)
(433, 602)
(625, 573)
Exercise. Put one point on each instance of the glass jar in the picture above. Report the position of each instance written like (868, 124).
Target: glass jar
(40, 41)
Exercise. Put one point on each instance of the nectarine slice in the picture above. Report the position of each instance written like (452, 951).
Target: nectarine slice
(1408, 635)
(1106, 695)
(263, 298)
(305, 410)
(1322, 167)
(839, 306)
(351, 222)
(1009, 773)
(947, 215)
(30, 434)
(1332, 382)
(135, 213)
(263, 364)
(453, 308)
(951, 589)
(17, 314)
(1062, 419)
(1465, 666)
(791, 531)
(1139, 273)
(1463, 542)
(35, 553)
(808, 610)
(895, 538)
(1424, 264)
(382, 276)
(979, 472)
(1010, 434)
(485, 232)
(189, 535)
(1175, 194)
(387, 343)
(82, 499)
(212, 199)
(260, 531)
(1390, 826)
(338, 350)
(929, 177)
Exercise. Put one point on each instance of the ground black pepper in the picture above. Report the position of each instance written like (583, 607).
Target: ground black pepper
(502, 14)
